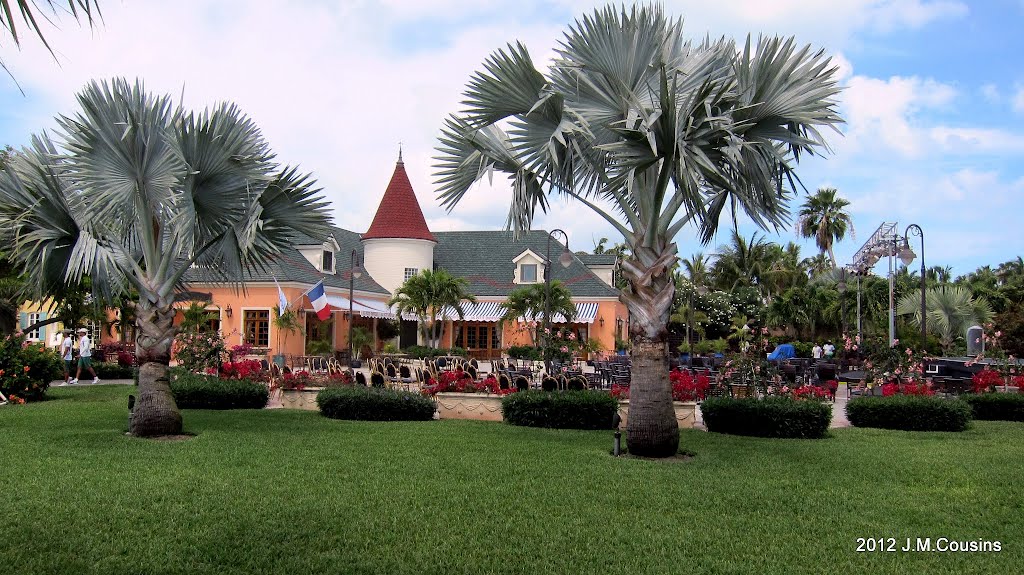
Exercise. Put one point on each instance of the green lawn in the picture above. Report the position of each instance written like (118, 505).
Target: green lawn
(292, 492)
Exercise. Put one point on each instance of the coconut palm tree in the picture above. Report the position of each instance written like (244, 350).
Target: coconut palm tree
(527, 302)
(951, 309)
(822, 218)
(139, 192)
(666, 131)
(427, 294)
(743, 263)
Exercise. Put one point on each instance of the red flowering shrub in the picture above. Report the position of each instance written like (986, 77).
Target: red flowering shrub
(907, 388)
(242, 369)
(686, 387)
(297, 380)
(986, 380)
(620, 391)
(459, 381)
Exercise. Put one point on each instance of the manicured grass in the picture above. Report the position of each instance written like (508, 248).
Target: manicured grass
(293, 492)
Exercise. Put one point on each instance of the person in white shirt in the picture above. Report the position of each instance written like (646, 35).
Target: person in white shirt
(829, 349)
(67, 347)
(816, 352)
(85, 356)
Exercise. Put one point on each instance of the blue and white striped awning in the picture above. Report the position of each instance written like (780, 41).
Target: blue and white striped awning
(480, 311)
(585, 313)
(364, 307)
(492, 311)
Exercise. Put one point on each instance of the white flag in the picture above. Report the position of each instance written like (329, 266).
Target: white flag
(282, 302)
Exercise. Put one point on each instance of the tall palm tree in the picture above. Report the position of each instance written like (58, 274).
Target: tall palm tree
(426, 295)
(527, 302)
(743, 263)
(822, 218)
(951, 309)
(697, 269)
(666, 131)
(817, 264)
(138, 193)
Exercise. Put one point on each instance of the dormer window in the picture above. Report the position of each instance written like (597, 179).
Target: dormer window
(327, 262)
(528, 273)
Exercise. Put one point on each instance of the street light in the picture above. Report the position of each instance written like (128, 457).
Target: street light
(907, 256)
(565, 259)
(355, 271)
(842, 298)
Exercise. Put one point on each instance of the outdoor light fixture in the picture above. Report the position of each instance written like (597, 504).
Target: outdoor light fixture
(355, 271)
(228, 310)
(907, 255)
(600, 320)
(565, 259)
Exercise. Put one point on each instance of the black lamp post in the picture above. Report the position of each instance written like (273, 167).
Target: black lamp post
(355, 271)
(565, 259)
(842, 298)
(906, 256)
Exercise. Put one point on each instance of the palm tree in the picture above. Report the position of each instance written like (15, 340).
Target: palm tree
(426, 295)
(822, 218)
(89, 10)
(743, 263)
(817, 264)
(527, 302)
(951, 309)
(665, 131)
(140, 192)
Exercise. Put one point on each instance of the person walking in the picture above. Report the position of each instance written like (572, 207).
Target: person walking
(85, 356)
(816, 351)
(830, 350)
(67, 348)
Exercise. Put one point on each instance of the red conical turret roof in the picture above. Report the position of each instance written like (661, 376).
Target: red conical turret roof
(399, 214)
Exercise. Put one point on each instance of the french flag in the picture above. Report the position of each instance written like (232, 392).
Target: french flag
(319, 300)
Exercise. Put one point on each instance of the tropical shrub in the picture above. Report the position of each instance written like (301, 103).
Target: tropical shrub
(421, 352)
(374, 404)
(195, 391)
(996, 406)
(560, 410)
(112, 370)
(986, 380)
(909, 412)
(26, 369)
(527, 352)
(199, 350)
(706, 346)
(768, 417)
(459, 382)
(250, 369)
(685, 387)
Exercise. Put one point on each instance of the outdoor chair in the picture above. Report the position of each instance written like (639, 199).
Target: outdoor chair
(377, 379)
(391, 372)
(577, 383)
(549, 383)
(718, 390)
(264, 365)
(740, 390)
(360, 379)
(522, 383)
(957, 386)
(504, 382)
(472, 372)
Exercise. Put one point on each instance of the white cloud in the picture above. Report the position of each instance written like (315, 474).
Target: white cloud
(974, 140)
(991, 92)
(1018, 100)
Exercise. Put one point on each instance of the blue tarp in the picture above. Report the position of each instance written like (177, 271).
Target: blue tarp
(783, 351)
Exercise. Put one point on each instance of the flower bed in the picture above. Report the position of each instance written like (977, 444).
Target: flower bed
(459, 381)
(685, 387)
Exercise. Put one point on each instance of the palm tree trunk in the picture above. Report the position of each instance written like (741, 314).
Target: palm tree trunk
(652, 430)
(155, 412)
(832, 256)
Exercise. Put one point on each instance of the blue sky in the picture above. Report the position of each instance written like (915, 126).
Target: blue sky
(933, 98)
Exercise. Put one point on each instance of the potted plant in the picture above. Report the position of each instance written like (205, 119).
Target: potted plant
(361, 337)
(284, 323)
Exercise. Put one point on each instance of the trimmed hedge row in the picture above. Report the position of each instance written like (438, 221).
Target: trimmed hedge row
(193, 391)
(996, 406)
(374, 404)
(768, 417)
(909, 413)
(560, 410)
(114, 370)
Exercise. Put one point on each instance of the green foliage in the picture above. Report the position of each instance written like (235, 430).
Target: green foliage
(199, 350)
(708, 346)
(194, 391)
(421, 352)
(113, 370)
(373, 404)
(361, 337)
(524, 352)
(996, 406)
(390, 347)
(27, 370)
(768, 417)
(803, 348)
(196, 317)
(428, 292)
(560, 410)
(909, 412)
(323, 346)
(387, 329)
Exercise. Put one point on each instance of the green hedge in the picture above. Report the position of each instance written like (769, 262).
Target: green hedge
(113, 370)
(374, 404)
(909, 413)
(768, 417)
(193, 391)
(421, 352)
(524, 352)
(560, 410)
(996, 406)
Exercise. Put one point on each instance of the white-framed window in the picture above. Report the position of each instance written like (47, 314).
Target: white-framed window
(327, 261)
(528, 273)
(410, 272)
(34, 334)
(256, 327)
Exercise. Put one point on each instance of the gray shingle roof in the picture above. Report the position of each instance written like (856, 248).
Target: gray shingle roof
(292, 266)
(484, 258)
(597, 259)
